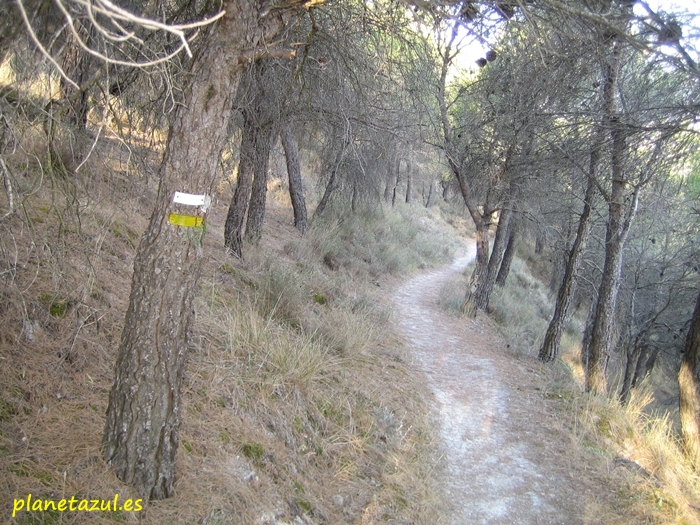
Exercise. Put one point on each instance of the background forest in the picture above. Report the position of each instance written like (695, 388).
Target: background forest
(338, 146)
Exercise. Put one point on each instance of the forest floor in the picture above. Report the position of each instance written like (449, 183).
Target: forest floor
(507, 443)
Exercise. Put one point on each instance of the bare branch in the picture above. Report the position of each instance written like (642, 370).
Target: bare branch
(8, 189)
(119, 34)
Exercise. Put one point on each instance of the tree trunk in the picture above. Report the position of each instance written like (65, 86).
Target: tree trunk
(431, 195)
(397, 179)
(540, 242)
(332, 180)
(77, 65)
(256, 209)
(689, 383)
(633, 355)
(504, 270)
(390, 179)
(409, 174)
(296, 187)
(143, 416)
(562, 310)
(235, 218)
(330, 188)
(389, 184)
(620, 216)
(484, 284)
(473, 302)
(640, 360)
(587, 334)
(621, 210)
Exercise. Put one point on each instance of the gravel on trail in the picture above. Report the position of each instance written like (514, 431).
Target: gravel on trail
(508, 454)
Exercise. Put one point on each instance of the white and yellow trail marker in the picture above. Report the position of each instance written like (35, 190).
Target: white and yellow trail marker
(202, 202)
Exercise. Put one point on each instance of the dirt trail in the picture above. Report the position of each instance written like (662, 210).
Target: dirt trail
(506, 448)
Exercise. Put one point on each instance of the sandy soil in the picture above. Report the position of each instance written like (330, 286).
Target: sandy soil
(508, 453)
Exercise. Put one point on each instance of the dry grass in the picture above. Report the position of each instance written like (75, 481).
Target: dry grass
(297, 405)
(659, 482)
(656, 481)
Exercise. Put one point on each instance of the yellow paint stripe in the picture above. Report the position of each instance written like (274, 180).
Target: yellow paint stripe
(185, 220)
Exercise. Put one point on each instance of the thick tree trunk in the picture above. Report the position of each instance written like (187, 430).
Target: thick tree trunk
(455, 155)
(689, 383)
(562, 310)
(143, 416)
(389, 188)
(296, 187)
(251, 190)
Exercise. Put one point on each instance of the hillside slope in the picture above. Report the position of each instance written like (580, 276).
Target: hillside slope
(298, 407)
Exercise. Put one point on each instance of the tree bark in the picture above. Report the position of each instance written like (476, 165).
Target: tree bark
(689, 383)
(640, 360)
(140, 439)
(251, 190)
(77, 65)
(235, 218)
(562, 310)
(587, 334)
(258, 196)
(540, 242)
(621, 210)
(620, 216)
(473, 300)
(409, 174)
(504, 270)
(143, 418)
(332, 181)
(397, 178)
(389, 188)
(431, 195)
(389, 184)
(483, 286)
(296, 187)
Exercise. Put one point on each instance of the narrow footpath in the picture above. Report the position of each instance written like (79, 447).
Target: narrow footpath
(508, 453)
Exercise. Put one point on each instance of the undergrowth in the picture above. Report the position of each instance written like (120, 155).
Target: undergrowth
(641, 447)
(297, 406)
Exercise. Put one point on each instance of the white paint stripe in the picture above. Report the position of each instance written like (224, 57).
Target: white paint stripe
(204, 201)
(188, 199)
